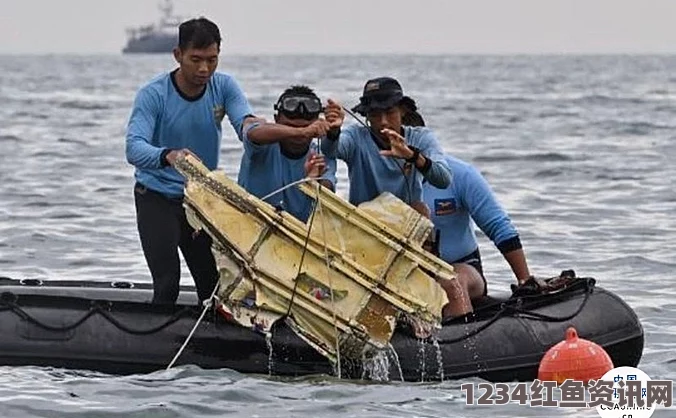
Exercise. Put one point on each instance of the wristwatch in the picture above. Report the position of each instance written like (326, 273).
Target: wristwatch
(163, 157)
(414, 158)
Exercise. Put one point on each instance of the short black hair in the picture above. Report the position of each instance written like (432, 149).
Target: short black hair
(198, 33)
(300, 90)
(411, 116)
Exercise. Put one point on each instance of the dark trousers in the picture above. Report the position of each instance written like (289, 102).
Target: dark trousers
(163, 229)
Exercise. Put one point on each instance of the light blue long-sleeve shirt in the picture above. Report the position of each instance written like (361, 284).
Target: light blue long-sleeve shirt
(371, 174)
(469, 197)
(162, 118)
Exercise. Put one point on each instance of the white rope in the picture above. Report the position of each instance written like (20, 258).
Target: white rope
(207, 304)
(281, 189)
(303, 180)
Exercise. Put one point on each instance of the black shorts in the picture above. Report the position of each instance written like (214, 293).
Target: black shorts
(474, 259)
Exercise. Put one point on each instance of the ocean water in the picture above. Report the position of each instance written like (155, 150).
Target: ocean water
(579, 149)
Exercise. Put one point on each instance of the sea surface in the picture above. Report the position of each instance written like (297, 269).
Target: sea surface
(581, 151)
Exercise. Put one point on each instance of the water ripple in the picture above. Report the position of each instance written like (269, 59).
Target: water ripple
(579, 150)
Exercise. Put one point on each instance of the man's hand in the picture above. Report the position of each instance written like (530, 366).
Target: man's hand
(532, 286)
(334, 114)
(421, 208)
(317, 129)
(398, 147)
(173, 155)
(315, 165)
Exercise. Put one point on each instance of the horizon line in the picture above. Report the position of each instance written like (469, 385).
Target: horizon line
(356, 54)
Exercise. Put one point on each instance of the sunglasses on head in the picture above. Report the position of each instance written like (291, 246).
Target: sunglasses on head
(304, 107)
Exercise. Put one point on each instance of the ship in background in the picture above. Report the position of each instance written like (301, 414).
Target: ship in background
(156, 38)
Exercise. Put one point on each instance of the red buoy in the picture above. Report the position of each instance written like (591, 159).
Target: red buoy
(574, 358)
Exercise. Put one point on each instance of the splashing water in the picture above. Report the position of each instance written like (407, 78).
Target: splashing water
(469, 343)
(421, 352)
(395, 356)
(377, 367)
(440, 359)
(268, 342)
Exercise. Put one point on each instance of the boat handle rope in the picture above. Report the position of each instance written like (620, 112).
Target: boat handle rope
(507, 307)
(6, 304)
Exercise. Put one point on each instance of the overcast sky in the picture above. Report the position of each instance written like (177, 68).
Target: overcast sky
(356, 26)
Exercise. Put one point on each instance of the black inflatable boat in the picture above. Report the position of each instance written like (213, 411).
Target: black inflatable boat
(112, 327)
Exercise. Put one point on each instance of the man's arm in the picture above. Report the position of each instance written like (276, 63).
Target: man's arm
(339, 142)
(492, 219)
(140, 152)
(431, 162)
(329, 177)
(517, 261)
(329, 147)
(268, 133)
(237, 107)
(250, 129)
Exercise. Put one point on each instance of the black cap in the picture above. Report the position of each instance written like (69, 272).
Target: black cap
(379, 94)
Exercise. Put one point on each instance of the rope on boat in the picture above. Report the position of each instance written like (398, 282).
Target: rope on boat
(95, 309)
(8, 302)
(511, 306)
(207, 304)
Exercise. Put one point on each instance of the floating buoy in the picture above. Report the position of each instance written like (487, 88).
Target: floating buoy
(574, 358)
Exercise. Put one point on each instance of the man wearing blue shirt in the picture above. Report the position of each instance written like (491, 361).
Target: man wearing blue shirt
(281, 153)
(386, 156)
(452, 209)
(180, 112)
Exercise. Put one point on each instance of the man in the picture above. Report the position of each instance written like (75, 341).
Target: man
(278, 154)
(374, 155)
(469, 198)
(386, 156)
(180, 112)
